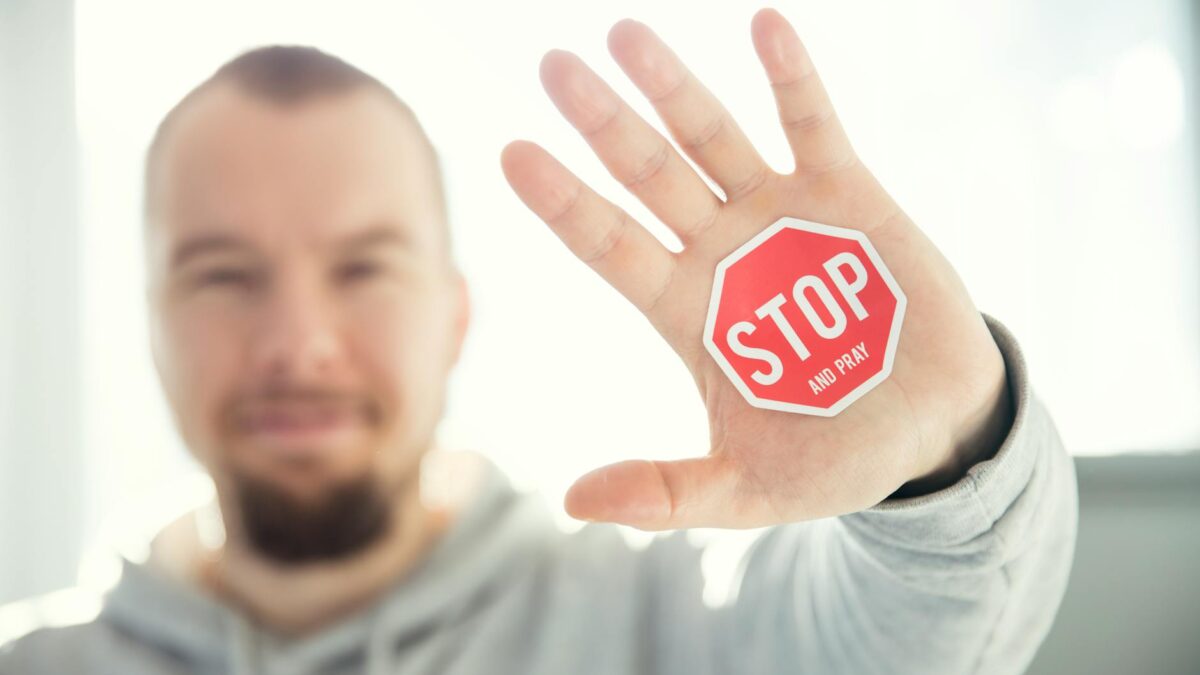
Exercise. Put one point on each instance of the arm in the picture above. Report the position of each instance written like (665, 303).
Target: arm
(964, 580)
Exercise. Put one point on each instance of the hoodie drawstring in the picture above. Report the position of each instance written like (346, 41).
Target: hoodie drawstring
(241, 645)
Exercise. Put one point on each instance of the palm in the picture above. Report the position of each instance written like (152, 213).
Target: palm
(764, 467)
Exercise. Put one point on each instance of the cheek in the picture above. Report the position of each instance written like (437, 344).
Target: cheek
(202, 362)
(405, 343)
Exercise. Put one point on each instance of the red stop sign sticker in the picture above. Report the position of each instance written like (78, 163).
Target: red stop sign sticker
(804, 318)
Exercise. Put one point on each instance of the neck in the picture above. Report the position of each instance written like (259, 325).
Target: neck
(297, 599)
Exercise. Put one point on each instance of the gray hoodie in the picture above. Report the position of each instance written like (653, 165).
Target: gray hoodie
(964, 580)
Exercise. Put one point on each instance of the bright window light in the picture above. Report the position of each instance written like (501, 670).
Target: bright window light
(1042, 147)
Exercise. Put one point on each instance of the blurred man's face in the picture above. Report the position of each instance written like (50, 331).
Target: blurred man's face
(305, 313)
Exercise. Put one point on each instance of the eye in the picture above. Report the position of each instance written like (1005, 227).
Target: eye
(227, 276)
(359, 270)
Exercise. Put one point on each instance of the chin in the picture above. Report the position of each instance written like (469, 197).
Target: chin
(292, 520)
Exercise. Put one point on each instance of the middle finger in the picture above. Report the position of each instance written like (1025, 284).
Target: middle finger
(634, 153)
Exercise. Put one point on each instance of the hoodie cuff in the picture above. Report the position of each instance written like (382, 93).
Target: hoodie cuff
(972, 505)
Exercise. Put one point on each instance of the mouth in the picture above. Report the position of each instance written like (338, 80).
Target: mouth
(293, 432)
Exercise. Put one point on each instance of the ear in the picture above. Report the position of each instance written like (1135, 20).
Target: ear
(154, 242)
(154, 328)
(462, 313)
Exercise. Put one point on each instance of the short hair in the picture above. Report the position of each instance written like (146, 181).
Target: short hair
(289, 75)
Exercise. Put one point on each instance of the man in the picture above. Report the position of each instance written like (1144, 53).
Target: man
(306, 312)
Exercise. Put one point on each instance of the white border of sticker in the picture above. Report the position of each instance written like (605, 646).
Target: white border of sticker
(889, 355)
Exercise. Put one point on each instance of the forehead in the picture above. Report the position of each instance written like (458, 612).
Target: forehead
(315, 170)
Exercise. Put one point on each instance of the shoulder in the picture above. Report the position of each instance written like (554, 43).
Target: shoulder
(51, 633)
(65, 633)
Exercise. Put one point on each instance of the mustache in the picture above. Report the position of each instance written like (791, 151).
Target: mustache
(274, 396)
(288, 392)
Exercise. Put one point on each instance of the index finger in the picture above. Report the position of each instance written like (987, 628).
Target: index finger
(599, 233)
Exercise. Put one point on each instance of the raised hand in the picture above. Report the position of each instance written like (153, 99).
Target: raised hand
(946, 402)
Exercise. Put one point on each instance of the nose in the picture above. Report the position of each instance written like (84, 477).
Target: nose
(297, 337)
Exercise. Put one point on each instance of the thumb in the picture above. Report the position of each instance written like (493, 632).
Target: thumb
(657, 495)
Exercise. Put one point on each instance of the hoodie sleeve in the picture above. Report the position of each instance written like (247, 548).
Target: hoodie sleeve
(964, 580)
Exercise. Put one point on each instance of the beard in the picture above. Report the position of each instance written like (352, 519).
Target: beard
(345, 520)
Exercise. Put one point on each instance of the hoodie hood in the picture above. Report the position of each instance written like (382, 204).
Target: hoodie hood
(497, 534)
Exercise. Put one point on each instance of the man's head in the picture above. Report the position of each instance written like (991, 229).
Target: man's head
(305, 309)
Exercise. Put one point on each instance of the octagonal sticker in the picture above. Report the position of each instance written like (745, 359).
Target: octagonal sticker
(804, 318)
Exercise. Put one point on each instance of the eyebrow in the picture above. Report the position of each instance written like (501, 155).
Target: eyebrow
(379, 235)
(208, 243)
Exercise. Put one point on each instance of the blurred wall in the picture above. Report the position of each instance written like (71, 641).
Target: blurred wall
(40, 450)
(1133, 603)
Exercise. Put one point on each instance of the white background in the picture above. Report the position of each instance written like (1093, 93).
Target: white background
(1042, 146)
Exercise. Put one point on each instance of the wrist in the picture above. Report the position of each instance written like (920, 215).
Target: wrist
(976, 438)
